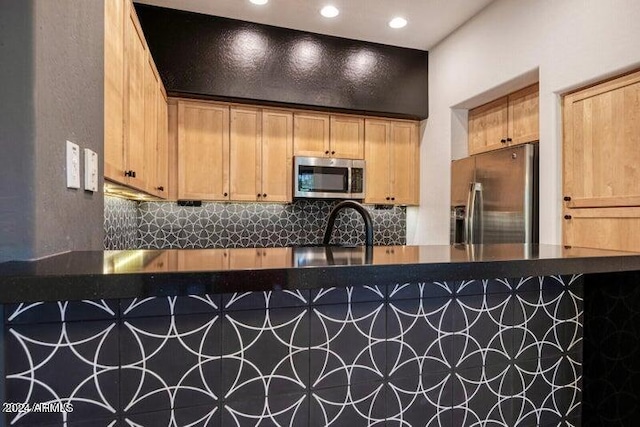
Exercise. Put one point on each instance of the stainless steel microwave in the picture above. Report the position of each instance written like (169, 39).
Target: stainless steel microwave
(325, 178)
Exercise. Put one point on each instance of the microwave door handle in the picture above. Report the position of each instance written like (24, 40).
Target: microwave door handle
(349, 180)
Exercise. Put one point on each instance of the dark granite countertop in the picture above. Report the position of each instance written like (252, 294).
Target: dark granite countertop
(140, 273)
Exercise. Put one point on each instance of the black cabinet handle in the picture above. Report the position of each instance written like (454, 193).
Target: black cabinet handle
(161, 188)
(225, 194)
(393, 198)
(326, 152)
(509, 139)
(567, 217)
(258, 195)
(567, 198)
(264, 194)
(504, 141)
(130, 173)
(333, 152)
(388, 198)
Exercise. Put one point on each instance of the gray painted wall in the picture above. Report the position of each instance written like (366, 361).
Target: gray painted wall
(52, 90)
(17, 131)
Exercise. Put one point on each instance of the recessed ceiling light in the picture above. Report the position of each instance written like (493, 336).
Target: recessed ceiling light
(397, 22)
(260, 2)
(329, 11)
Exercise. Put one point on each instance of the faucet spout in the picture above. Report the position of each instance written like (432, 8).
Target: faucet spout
(366, 216)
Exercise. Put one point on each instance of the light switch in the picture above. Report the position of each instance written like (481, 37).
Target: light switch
(73, 165)
(90, 170)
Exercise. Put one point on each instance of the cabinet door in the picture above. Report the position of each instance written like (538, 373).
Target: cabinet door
(524, 116)
(347, 137)
(311, 135)
(162, 170)
(404, 163)
(172, 117)
(150, 156)
(603, 228)
(377, 179)
(245, 156)
(203, 151)
(277, 153)
(135, 66)
(114, 90)
(488, 126)
(601, 155)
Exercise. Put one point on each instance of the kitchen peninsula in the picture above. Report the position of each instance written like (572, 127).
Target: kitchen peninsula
(402, 335)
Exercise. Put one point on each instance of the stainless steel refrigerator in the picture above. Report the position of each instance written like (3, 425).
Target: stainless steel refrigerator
(494, 197)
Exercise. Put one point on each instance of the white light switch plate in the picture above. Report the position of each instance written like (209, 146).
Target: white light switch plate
(73, 165)
(90, 170)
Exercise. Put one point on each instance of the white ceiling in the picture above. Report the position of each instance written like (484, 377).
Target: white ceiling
(429, 20)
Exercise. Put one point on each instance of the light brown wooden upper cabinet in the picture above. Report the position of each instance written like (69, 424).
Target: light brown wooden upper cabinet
(347, 137)
(378, 161)
(172, 118)
(488, 126)
(324, 135)
(235, 153)
(602, 165)
(311, 134)
(524, 116)
(277, 156)
(245, 142)
(203, 151)
(161, 182)
(132, 111)
(507, 121)
(392, 156)
(157, 143)
(260, 155)
(134, 102)
(150, 153)
(114, 89)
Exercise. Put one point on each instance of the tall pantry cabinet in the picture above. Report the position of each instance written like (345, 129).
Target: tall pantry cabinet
(601, 197)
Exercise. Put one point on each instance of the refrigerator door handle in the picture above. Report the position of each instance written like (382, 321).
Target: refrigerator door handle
(479, 208)
(475, 190)
(468, 214)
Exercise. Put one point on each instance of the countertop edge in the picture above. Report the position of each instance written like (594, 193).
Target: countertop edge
(24, 289)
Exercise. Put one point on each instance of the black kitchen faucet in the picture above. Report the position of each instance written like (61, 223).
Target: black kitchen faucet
(366, 216)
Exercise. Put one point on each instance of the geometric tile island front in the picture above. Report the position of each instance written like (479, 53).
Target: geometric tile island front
(504, 352)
